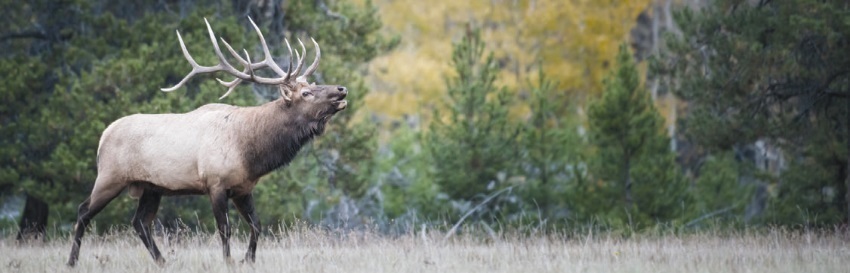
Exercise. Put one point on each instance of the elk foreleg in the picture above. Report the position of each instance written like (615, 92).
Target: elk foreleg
(245, 206)
(145, 213)
(219, 208)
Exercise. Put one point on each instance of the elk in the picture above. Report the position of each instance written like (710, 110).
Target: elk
(216, 150)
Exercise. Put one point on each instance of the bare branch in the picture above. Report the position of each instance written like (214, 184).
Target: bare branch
(709, 215)
(31, 34)
(453, 230)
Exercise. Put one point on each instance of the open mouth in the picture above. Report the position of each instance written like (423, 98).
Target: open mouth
(341, 104)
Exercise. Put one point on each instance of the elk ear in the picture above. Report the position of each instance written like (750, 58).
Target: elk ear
(285, 93)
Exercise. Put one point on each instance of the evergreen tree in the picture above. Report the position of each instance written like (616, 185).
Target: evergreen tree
(773, 72)
(636, 172)
(550, 147)
(473, 145)
(718, 192)
(410, 196)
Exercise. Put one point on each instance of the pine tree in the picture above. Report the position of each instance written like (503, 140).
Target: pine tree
(550, 149)
(473, 145)
(772, 72)
(631, 161)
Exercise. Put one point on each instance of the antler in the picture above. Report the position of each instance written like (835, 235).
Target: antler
(247, 73)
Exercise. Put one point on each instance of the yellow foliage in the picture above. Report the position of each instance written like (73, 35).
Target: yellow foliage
(574, 41)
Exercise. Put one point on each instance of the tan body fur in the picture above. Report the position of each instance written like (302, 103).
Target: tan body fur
(176, 151)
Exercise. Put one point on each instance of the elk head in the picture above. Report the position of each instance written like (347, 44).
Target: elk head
(319, 101)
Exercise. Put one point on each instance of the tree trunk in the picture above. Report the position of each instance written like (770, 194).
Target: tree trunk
(33, 222)
(847, 181)
(627, 181)
(847, 168)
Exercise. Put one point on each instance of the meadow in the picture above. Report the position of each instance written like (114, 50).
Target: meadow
(309, 250)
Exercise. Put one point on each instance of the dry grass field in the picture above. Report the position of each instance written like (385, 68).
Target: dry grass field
(316, 251)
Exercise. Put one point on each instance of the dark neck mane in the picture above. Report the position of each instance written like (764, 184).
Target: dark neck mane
(272, 135)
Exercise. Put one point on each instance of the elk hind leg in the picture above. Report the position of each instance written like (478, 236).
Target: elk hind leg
(104, 191)
(145, 213)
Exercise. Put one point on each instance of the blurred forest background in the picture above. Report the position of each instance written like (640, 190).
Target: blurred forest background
(528, 114)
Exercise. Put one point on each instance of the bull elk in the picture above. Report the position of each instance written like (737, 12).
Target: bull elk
(216, 150)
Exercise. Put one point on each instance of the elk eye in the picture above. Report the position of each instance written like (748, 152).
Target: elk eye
(306, 93)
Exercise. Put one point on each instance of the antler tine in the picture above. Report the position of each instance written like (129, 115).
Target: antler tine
(235, 82)
(312, 68)
(239, 58)
(227, 67)
(268, 59)
(297, 56)
(288, 75)
(251, 70)
(196, 68)
(230, 86)
(300, 58)
(254, 66)
(223, 63)
(284, 93)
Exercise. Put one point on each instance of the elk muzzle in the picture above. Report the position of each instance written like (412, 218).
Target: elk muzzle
(341, 103)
